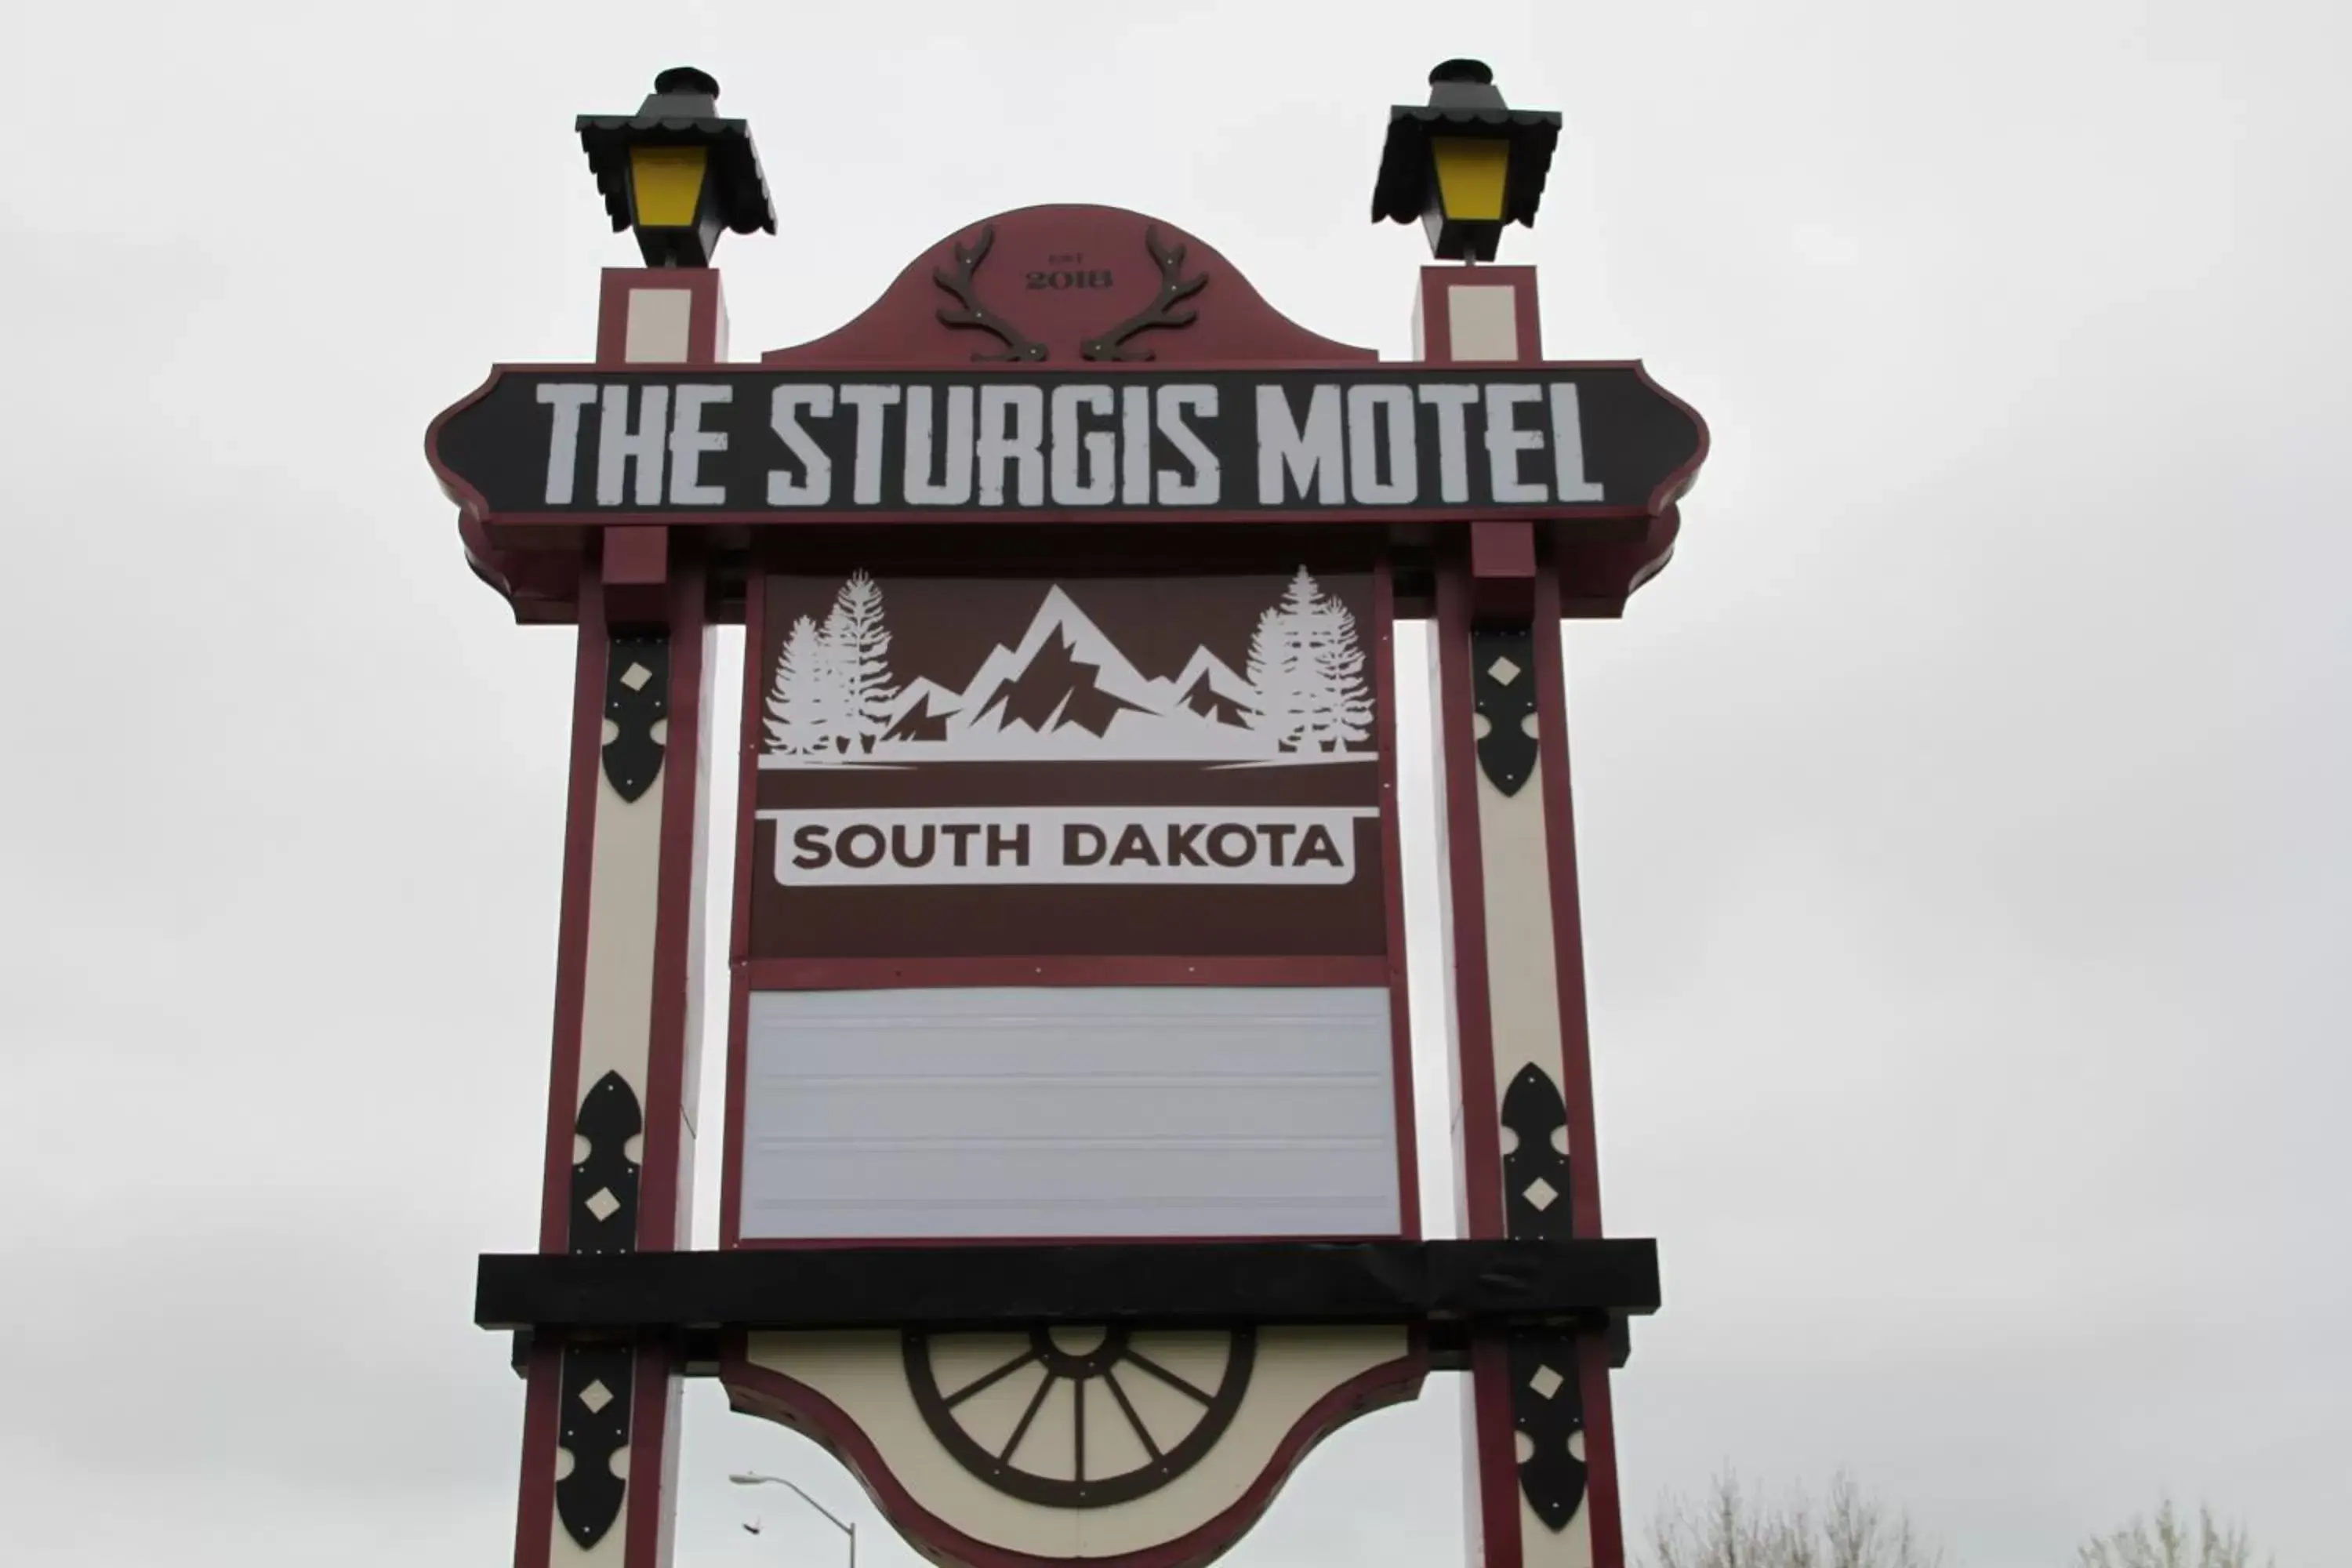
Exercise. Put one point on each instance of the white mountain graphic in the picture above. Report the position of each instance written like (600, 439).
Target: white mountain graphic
(1066, 692)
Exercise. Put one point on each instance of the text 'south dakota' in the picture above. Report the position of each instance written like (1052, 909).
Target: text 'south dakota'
(1110, 846)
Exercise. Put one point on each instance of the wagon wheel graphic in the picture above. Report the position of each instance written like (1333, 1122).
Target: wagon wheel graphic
(1080, 1417)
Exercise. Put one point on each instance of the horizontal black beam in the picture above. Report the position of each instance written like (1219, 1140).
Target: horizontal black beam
(1172, 1284)
(1448, 1343)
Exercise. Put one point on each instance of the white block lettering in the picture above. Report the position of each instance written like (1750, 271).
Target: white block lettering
(1206, 482)
(617, 445)
(1312, 457)
(1568, 445)
(567, 398)
(1095, 480)
(953, 485)
(1135, 446)
(1506, 441)
(688, 440)
(1393, 407)
(1451, 400)
(815, 486)
(865, 481)
(1020, 445)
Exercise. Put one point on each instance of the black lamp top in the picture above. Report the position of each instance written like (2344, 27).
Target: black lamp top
(1462, 101)
(1462, 85)
(687, 80)
(681, 112)
(683, 98)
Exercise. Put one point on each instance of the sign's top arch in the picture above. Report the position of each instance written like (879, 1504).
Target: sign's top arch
(1065, 285)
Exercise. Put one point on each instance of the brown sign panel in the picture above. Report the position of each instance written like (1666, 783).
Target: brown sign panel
(1015, 766)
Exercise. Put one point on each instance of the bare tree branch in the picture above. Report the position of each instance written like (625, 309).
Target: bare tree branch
(1727, 1529)
(2164, 1542)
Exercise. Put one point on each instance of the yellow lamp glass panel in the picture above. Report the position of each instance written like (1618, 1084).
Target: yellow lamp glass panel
(668, 184)
(1470, 171)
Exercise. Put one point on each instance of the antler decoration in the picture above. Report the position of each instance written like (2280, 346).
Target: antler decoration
(1173, 287)
(1017, 346)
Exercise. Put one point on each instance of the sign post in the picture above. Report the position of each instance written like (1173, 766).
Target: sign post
(1068, 1172)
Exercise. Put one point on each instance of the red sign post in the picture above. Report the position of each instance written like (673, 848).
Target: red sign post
(1068, 1169)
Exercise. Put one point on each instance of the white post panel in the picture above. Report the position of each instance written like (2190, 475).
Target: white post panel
(601, 1426)
(1544, 1483)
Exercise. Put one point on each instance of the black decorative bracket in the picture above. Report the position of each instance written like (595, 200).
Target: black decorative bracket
(1547, 1404)
(637, 701)
(1549, 1407)
(1535, 1204)
(1503, 692)
(594, 1422)
(1174, 288)
(604, 1184)
(968, 310)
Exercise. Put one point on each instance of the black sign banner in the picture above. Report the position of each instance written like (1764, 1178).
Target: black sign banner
(743, 444)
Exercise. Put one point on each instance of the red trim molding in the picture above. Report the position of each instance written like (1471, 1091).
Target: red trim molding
(1398, 978)
(1567, 910)
(1481, 1201)
(571, 920)
(652, 1453)
(1600, 1494)
(739, 938)
(884, 973)
(535, 1493)
(666, 1183)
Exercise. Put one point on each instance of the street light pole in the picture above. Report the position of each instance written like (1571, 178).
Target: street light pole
(752, 1478)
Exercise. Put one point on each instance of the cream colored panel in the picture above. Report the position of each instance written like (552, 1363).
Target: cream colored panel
(698, 909)
(1112, 1446)
(864, 1374)
(1296, 1367)
(1049, 1448)
(1522, 969)
(1523, 990)
(1485, 320)
(957, 1360)
(1449, 981)
(1198, 1356)
(994, 1414)
(562, 1552)
(660, 323)
(624, 879)
(1167, 1413)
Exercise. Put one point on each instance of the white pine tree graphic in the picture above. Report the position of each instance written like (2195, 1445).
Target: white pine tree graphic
(1272, 673)
(1306, 672)
(799, 717)
(833, 691)
(1342, 715)
(861, 646)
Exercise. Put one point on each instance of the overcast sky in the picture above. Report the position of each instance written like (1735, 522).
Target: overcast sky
(1964, 812)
